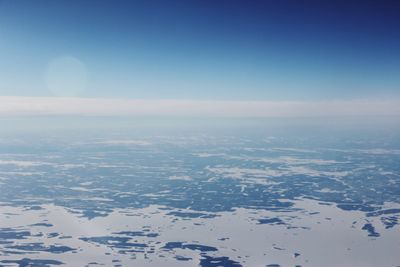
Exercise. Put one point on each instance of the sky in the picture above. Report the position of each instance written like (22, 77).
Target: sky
(201, 50)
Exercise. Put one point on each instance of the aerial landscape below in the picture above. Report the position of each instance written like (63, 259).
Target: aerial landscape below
(210, 198)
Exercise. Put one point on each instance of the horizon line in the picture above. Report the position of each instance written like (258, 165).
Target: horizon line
(42, 106)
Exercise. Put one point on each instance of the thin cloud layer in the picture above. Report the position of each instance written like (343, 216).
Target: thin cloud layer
(37, 106)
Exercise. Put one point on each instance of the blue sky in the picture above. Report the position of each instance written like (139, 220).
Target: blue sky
(202, 50)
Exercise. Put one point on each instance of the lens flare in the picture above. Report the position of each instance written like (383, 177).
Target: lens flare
(66, 76)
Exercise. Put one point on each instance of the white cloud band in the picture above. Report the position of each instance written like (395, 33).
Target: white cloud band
(34, 106)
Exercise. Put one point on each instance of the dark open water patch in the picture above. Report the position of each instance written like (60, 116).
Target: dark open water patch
(123, 244)
(202, 248)
(7, 234)
(390, 221)
(42, 224)
(370, 229)
(208, 261)
(273, 221)
(191, 215)
(25, 262)
(181, 258)
(39, 247)
(383, 212)
(137, 233)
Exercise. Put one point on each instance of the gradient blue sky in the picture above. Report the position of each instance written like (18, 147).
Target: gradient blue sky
(206, 50)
